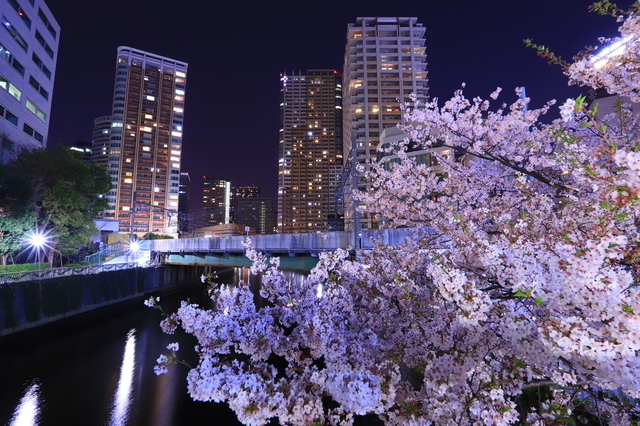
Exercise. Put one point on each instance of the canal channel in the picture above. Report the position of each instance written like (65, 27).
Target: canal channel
(97, 369)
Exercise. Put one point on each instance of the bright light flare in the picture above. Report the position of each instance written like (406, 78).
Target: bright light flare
(37, 240)
(134, 246)
(611, 51)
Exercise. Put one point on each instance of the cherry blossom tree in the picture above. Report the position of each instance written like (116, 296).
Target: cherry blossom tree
(522, 307)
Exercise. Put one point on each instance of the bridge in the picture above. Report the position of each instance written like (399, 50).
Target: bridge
(296, 251)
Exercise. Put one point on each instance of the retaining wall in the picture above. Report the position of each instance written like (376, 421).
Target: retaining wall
(28, 304)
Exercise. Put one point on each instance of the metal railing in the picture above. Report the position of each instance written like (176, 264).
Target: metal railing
(109, 251)
(44, 274)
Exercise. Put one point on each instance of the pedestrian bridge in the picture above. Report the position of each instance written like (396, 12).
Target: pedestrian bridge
(296, 251)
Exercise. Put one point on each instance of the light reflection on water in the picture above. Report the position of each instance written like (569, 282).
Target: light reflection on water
(27, 413)
(122, 399)
(99, 370)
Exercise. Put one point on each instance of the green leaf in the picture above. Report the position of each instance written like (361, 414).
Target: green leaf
(538, 301)
(628, 309)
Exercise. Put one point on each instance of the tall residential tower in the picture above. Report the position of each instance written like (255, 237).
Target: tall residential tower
(310, 149)
(146, 142)
(385, 62)
(28, 52)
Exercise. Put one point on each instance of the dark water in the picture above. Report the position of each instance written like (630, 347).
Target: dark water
(99, 371)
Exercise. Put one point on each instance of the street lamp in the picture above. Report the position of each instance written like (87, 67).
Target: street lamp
(37, 241)
(134, 248)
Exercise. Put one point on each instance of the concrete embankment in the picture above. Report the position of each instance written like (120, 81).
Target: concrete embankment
(30, 304)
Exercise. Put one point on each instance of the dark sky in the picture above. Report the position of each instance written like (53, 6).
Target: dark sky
(236, 50)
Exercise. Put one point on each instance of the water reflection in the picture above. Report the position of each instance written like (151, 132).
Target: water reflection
(27, 413)
(98, 369)
(122, 399)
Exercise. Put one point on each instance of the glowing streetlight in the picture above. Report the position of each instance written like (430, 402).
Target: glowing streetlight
(134, 246)
(134, 249)
(37, 241)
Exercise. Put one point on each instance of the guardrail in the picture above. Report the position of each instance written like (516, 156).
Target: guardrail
(44, 274)
(287, 243)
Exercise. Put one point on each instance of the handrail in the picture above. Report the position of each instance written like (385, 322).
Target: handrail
(43, 274)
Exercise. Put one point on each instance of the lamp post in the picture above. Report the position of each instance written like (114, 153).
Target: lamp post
(134, 249)
(37, 241)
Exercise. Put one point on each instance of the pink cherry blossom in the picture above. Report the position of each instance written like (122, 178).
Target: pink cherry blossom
(527, 277)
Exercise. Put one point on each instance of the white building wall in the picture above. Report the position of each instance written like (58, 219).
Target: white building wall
(28, 54)
(385, 62)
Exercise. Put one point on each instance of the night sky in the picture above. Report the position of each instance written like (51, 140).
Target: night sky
(236, 51)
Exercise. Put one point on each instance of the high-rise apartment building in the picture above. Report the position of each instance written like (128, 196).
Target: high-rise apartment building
(310, 149)
(100, 140)
(216, 201)
(145, 144)
(28, 51)
(385, 62)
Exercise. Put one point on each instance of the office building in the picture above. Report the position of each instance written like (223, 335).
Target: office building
(186, 222)
(216, 201)
(384, 63)
(245, 191)
(256, 213)
(28, 51)
(310, 149)
(145, 142)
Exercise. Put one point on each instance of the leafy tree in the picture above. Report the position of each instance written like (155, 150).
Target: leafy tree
(154, 236)
(62, 192)
(16, 214)
(522, 306)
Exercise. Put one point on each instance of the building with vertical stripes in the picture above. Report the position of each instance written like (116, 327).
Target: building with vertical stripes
(145, 142)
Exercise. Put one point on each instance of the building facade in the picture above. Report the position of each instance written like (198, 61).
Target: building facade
(100, 140)
(83, 148)
(28, 51)
(310, 150)
(186, 224)
(256, 213)
(385, 62)
(145, 142)
(216, 201)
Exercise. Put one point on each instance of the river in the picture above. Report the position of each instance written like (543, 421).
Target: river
(99, 371)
